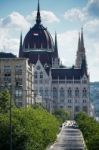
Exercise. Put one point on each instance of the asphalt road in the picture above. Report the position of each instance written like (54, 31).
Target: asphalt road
(70, 138)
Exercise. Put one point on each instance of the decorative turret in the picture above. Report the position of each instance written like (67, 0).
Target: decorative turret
(82, 41)
(20, 47)
(56, 58)
(38, 17)
(84, 66)
(80, 51)
(56, 48)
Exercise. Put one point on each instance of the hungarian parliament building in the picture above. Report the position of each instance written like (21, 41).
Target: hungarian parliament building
(59, 86)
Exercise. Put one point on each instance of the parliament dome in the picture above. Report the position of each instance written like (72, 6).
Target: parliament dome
(38, 37)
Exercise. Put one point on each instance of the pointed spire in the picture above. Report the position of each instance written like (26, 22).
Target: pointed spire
(20, 48)
(56, 48)
(81, 50)
(82, 40)
(79, 42)
(84, 66)
(38, 17)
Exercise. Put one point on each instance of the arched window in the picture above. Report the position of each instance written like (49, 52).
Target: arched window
(35, 75)
(55, 93)
(41, 75)
(76, 92)
(84, 94)
(62, 94)
(69, 92)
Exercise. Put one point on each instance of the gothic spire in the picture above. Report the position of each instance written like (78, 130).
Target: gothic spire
(56, 48)
(38, 17)
(81, 50)
(79, 42)
(20, 47)
(82, 40)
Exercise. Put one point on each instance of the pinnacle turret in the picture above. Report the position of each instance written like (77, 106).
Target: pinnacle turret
(56, 48)
(20, 48)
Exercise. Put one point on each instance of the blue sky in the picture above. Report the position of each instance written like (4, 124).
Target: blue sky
(66, 17)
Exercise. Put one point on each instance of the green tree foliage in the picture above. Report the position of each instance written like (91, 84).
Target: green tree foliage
(90, 130)
(61, 114)
(32, 129)
(4, 101)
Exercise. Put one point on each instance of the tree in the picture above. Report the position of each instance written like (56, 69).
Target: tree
(90, 130)
(4, 101)
(61, 114)
(32, 129)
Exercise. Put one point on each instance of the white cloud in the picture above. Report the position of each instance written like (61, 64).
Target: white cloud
(46, 16)
(75, 14)
(92, 25)
(67, 43)
(15, 20)
(8, 43)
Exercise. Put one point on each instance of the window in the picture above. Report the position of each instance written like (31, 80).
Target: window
(77, 109)
(84, 101)
(55, 93)
(46, 92)
(69, 92)
(69, 107)
(77, 92)
(18, 81)
(7, 69)
(18, 93)
(62, 93)
(85, 108)
(41, 75)
(41, 91)
(69, 101)
(84, 81)
(18, 70)
(84, 94)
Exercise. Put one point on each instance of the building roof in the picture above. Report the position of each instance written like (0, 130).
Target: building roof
(7, 55)
(68, 73)
(38, 38)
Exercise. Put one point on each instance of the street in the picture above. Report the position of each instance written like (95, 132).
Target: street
(70, 138)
